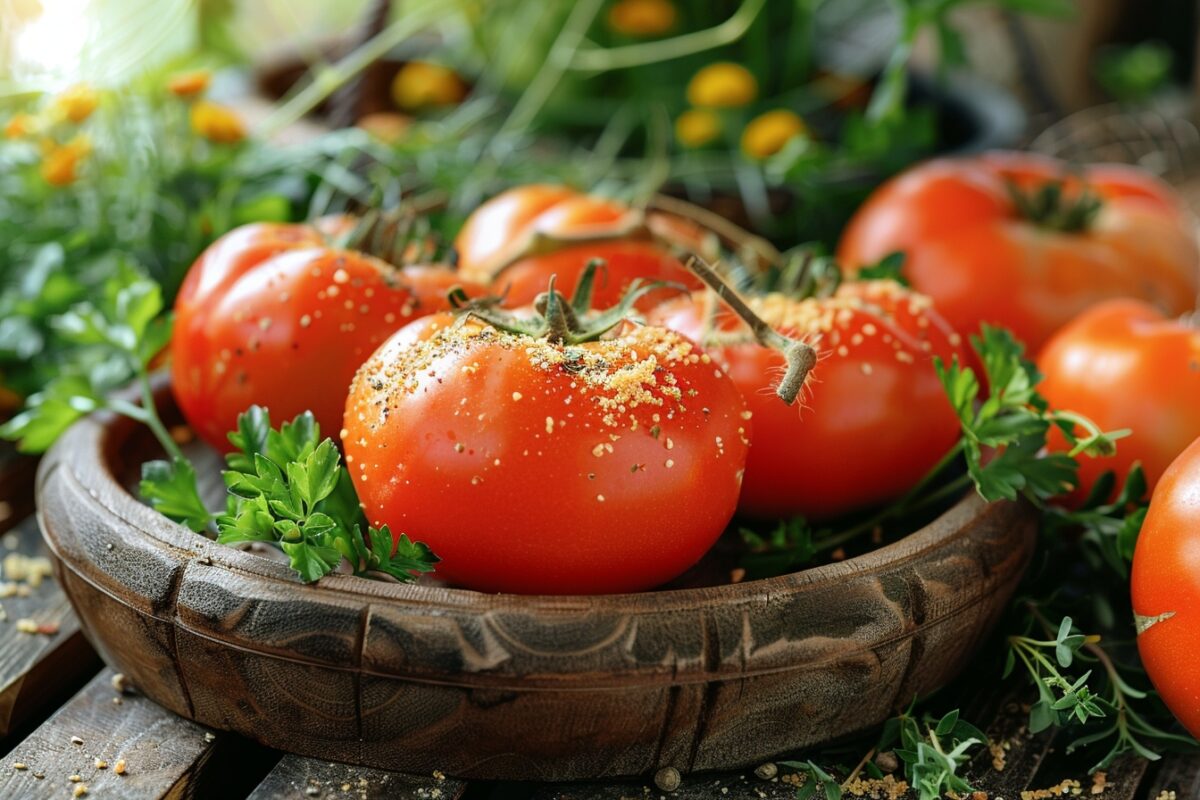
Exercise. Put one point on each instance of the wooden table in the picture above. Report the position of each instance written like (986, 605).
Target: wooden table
(62, 718)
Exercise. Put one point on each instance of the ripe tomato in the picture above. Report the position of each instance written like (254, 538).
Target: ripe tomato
(284, 322)
(617, 462)
(1030, 267)
(521, 237)
(1122, 365)
(1166, 588)
(873, 410)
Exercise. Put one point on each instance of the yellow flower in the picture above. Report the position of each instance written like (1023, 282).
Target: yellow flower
(76, 103)
(722, 85)
(61, 162)
(421, 84)
(217, 123)
(642, 17)
(766, 134)
(189, 84)
(697, 127)
(19, 126)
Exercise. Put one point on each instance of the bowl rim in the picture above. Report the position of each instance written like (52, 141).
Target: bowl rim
(90, 450)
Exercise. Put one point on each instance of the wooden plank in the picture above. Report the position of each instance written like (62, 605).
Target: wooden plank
(744, 785)
(1178, 773)
(163, 754)
(37, 670)
(304, 778)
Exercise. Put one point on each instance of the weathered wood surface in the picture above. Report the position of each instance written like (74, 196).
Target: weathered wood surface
(417, 678)
(164, 754)
(1178, 773)
(36, 668)
(298, 778)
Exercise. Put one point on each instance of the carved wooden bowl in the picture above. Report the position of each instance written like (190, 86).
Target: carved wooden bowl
(423, 677)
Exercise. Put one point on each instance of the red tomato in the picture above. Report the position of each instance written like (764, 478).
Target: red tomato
(1122, 365)
(981, 258)
(284, 323)
(616, 463)
(874, 417)
(1166, 588)
(518, 239)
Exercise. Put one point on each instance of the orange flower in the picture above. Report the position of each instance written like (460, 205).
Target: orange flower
(189, 84)
(76, 103)
(642, 17)
(766, 134)
(722, 85)
(421, 84)
(217, 123)
(19, 126)
(61, 162)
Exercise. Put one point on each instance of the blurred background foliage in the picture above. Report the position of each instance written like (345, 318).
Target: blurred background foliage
(137, 131)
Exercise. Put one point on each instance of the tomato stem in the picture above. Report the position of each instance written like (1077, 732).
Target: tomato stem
(801, 357)
(1048, 206)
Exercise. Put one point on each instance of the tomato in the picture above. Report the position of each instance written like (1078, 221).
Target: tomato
(617, 463)
(269, 316)
(1166, 588)
(874, 417)
(1122, 365)
(521, 237)
(983, 257)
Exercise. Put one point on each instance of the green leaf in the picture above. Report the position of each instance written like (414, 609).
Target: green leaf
(50, 412)
(888, 268)
(313, 562)
(170, 488)
(250, 438)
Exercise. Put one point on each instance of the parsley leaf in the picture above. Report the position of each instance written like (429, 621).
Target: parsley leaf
(170, 488)
(1003, 436)
(288, 488)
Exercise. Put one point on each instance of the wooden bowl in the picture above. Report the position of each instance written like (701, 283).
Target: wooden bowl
(419, 677)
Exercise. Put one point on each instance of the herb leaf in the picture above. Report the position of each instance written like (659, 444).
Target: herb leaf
(170, 488)
(288, 488)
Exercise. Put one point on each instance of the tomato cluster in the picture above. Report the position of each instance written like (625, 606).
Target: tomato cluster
(556, 449)
(1025, 243)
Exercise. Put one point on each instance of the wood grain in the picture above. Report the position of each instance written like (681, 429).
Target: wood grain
(422, 677)
(298, 778)
(36, 669)
(164, 754)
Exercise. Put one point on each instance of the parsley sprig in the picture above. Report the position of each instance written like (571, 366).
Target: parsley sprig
(1004, 436)
(108, 342)
(288, 488)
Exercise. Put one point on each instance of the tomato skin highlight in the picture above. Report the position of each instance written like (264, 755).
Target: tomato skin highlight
(969, 249)
(616, 468)
(1166, 588)
(495, 243)
(1123, 365)
(873, 417)
(270, 316)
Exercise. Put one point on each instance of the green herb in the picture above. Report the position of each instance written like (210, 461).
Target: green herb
(1110, 528)
(932, 751)
(1003, 437)
(888, 268)
(106, 343)
(170, 488)
(1103, 702)
(287, 487)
